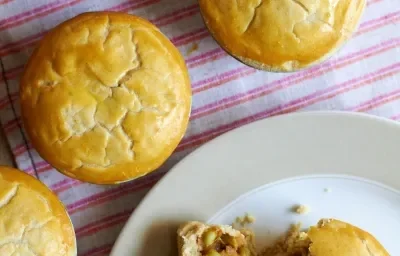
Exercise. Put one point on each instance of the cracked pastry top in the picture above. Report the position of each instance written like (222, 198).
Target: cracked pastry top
(199, 239)
(105, 97)
(32, 219)
(281, 35)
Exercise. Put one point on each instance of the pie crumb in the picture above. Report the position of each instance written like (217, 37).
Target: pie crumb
(244, 220)
(193, 48)
(239, 220)
(293, 243)
(249, 218)
(301, 209)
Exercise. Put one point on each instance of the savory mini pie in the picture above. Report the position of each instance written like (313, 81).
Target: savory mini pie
(32, 219)
(105, 97)
(281, 35)
(199, 239)
(329, 238)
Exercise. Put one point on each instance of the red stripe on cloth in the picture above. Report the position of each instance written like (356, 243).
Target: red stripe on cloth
(396, 117)
(130, 5)
(206, 57)
(39, 166)
(41, 11)
(293, 79)
(65, 185)
(5, 1)
(12, 73)
(222, 79)
(20, 149)
(197, 34)
(125, 7)
(372, 22)
(31, 173)
(219, 77)
(391, 22)
(124, 189)
(17, 46)
(111, 194)
(61, 183)
(31, 12)
(44, 10)
(107, 222)
(11, 125)
(297, 104)
(175, 15)
(386, 20)
(5, 102)
(377, 101)
(373, 2)
(45, 168)
(42, 166)
(99, 251)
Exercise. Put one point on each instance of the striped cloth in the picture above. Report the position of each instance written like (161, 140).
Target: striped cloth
(364, 76)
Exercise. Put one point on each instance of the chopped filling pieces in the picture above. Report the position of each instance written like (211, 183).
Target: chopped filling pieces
(215, 243)
(294, 243)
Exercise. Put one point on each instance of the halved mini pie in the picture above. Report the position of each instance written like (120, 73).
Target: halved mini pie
(329, 237)
(199, 239)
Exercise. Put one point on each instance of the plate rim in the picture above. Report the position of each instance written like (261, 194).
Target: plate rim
(117, 247)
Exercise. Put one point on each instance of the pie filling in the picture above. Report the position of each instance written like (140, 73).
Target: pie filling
(294, 243)
(215, 243)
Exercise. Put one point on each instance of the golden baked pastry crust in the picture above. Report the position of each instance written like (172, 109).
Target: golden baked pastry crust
(329, 238)
(32, 219)
(333, 237)
(281, 35)
(105, 97)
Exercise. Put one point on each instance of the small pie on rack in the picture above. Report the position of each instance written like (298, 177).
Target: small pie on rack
(281, 35)
(32, 219)
(105, 97)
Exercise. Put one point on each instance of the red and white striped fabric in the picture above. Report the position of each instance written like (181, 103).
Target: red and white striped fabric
(363, 76)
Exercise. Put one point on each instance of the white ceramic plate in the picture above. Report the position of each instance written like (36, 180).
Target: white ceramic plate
(267, 167)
